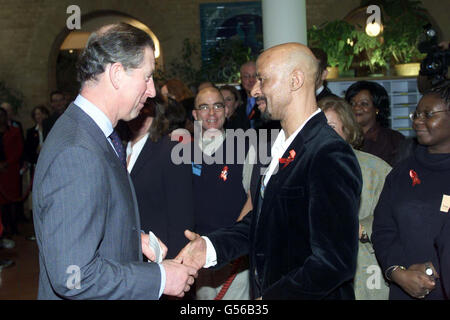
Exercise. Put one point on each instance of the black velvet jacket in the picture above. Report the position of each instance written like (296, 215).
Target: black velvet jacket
(304, 242)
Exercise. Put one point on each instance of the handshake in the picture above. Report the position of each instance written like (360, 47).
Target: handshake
(183, 269)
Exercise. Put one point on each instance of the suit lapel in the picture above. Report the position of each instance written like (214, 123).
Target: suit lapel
(299, 145)
(97, 135)
(144, 156)
(95, 132)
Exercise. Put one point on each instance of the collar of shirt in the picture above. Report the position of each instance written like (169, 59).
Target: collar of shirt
(96, 114)
(280, 146)
(40, 134)
(209, 146)
(134, 150)
(318, 91)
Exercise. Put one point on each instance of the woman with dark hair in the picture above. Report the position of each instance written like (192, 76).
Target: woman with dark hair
(370, 103)
(163, 188)
(414, 205)
(374, 170)
(234, 111)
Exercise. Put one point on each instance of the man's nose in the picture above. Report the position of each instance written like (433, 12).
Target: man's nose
(151, 90)
(256, 90)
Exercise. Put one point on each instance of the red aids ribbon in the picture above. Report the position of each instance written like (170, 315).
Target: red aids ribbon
(414, 177)
(250, 116)
(224, 173)
(289, 159)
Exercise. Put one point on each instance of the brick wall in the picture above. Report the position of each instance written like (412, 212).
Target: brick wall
(30, 31)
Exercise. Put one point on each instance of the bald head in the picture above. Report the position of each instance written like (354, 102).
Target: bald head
(286, 76)
(293, 56)
(206, 91)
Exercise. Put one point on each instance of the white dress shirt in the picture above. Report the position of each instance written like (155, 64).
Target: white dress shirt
(278, 149)
(133, 151)
(319, 90)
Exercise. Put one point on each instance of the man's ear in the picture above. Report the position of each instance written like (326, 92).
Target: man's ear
(194, 114)
(324, 74)
(297, 80)
(116, 73)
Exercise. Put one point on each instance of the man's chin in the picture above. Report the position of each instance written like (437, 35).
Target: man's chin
(266, 116)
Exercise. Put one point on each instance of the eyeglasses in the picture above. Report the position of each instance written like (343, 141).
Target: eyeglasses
(218, 107)
(424, 115)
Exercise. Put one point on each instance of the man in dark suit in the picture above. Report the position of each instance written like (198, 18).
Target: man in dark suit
(58, 104)
(248, 79)
(84, 206)
(322, 89)
(163, 188)
(302, 236)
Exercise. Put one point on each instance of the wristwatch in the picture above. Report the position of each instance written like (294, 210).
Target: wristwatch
(391, 269)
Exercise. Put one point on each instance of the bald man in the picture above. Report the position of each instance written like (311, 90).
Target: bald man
(302, 235)
(218, 199)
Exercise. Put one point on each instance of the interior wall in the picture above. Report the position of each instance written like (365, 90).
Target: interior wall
(29, 30)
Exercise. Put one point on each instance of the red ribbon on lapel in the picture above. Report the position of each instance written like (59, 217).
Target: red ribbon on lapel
(289, 159)
(252, 113)
(224, 173)
(414, 177)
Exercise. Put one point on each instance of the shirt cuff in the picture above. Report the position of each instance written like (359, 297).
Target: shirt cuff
(163, 280)
(211, 255)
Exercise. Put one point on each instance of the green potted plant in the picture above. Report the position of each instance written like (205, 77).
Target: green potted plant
(402, 28)
(226, 59)
(372, 51)
(335, 39)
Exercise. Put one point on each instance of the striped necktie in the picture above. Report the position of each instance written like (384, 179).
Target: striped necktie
(117, 143)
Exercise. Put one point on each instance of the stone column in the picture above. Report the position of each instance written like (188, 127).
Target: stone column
(283, 21)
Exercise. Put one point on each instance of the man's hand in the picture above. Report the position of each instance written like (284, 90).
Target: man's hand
(148, 251)
(194, 253)
(179, 277)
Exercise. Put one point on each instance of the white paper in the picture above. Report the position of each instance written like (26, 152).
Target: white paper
(154, 244)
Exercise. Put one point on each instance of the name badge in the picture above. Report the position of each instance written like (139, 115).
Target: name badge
(445, 205)
(197, 169)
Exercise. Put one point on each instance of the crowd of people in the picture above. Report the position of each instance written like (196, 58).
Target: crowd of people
(156, 192)
(18, 158)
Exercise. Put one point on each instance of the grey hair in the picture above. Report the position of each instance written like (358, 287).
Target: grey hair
(120, 42)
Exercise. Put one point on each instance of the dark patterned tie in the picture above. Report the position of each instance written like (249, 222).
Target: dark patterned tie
(117, 143)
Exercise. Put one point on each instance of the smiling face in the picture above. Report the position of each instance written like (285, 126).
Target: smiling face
(271, 83)
(364, 110)
(138, 86)
(435, 131)
(211, 117)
